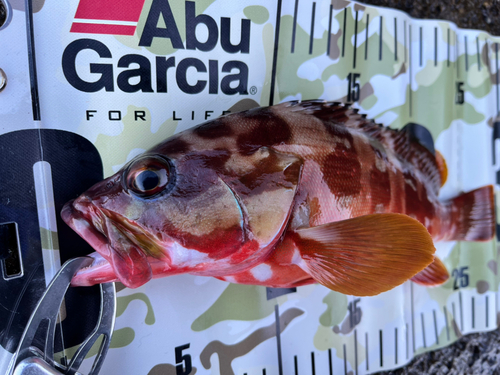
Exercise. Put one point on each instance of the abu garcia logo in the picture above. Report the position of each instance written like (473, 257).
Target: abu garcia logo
(110, 17)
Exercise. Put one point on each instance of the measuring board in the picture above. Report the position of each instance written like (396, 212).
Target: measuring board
(123, 78)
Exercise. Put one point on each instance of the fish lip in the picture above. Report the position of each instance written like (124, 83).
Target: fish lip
(99, 271)
(80, 222)
(82, 216)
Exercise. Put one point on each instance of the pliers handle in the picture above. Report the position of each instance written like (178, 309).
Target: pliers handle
(30, 360)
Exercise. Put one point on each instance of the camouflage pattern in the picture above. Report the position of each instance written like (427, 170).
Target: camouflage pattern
(394, 68)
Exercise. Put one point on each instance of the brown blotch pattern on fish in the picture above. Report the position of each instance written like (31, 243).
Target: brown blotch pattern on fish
(173, 146)
(381, 190)
(417, 201)
(341, 168)
(266, 129)
(215, 129)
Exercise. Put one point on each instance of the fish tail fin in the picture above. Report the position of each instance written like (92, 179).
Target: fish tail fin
(473, 215)
(433, 275)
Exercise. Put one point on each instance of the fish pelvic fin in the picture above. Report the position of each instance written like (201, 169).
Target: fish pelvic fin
(473, 215)
(366, 255)
(433, 275)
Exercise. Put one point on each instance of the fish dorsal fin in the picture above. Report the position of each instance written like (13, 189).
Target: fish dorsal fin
(406, 143)
(366, 255)
(443, 168)
(420, 134)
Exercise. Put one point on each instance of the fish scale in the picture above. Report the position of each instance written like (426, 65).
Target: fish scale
(428, 80)
(289, 209)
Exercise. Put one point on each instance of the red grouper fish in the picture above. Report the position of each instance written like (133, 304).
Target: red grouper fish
(288, 195)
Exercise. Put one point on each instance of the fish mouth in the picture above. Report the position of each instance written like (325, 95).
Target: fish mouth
(118, 257)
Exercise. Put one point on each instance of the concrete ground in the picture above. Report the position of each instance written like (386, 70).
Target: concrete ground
(467, 14)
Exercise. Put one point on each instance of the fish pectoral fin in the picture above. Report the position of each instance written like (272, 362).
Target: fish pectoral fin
(366, 255)
(433, 275)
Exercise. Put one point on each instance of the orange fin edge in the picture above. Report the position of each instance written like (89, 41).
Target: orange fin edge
(443, 168)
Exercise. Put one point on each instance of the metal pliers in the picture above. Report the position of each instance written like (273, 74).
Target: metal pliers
(30, 360)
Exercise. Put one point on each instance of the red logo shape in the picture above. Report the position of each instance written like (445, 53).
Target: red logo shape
(115, 17)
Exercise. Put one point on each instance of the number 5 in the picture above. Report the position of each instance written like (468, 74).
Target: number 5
(353, 89)
(179, 359)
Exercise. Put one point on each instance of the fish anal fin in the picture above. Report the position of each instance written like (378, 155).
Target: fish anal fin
(366, 255)
(433, 275)
(443, 168)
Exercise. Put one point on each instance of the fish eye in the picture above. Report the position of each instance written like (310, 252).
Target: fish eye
(147, 177)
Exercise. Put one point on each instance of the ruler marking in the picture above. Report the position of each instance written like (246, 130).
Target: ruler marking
(448, 49)
(411, 294)
(498, 93)
(312, 364)
(366, 352)
(404, 24)
(396, 345)
(461, 311)
(275, 53)
(311, 38)
(423, 329)
(454, 315)
(407, 341)
(381, 341)
(355, 41)
(473, 315)
(446, 322)
(457, 54)
(330, 361)
(487, 312)
(329, 31)
(367, 24)
(435, 46)
(296, 365)
(345, 362)
(410, 104)
(395, 39)
(35, 99)
(478, 54)
(343, 31)
(421, 43)
(380, 39)
(356, 351)
(466, 56)
(435, 327)
(294, 29)
(278, 337)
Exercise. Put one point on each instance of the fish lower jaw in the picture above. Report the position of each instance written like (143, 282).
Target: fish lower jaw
(100, 271)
